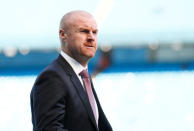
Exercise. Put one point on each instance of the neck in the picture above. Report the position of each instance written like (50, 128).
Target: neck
(83, 63)
(80, 59)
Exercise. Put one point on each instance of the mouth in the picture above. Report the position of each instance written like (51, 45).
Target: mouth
(89, 45)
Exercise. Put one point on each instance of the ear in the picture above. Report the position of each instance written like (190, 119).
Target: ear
(62, 34)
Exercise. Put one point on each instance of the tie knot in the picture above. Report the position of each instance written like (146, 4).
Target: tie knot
(84, 74)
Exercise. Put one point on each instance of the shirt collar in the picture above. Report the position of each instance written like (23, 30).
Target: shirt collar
(77, 67)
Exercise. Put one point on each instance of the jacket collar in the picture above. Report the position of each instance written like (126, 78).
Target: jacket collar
(75, 80)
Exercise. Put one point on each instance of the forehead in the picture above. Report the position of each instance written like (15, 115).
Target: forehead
(83, 22)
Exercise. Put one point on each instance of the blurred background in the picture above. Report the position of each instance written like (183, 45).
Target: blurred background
(143, 70)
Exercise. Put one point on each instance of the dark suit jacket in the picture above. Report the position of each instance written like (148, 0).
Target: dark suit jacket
(59, 102)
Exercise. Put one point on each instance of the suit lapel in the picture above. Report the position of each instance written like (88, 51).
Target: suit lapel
(76, 82)
(102, 117)
(83, 97)
(96, 98)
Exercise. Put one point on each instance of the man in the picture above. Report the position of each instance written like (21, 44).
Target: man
(63, 97)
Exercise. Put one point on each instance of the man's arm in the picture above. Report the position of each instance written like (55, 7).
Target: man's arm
(48, 103)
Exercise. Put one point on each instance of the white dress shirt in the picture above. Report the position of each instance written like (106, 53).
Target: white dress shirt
(77, 67)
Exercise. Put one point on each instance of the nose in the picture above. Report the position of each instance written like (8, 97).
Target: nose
(91, 37)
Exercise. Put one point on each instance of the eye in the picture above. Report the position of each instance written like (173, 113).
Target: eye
(85, 31)
(95, 32)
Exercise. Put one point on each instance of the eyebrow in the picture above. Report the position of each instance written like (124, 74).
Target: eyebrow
(86, 27)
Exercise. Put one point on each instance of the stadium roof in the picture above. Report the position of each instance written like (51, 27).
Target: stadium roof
(34, 24)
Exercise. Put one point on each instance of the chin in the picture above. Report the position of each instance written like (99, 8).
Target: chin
(90, 55)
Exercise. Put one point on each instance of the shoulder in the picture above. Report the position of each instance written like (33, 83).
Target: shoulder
(59, 68)
(55, 75)
(51, 71)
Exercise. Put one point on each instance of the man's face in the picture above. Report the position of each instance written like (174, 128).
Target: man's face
(81, 38)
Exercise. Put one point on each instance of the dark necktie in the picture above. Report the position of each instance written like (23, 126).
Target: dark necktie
(86, 81)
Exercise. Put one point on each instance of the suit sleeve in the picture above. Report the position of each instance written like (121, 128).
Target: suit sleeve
(48, 103)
